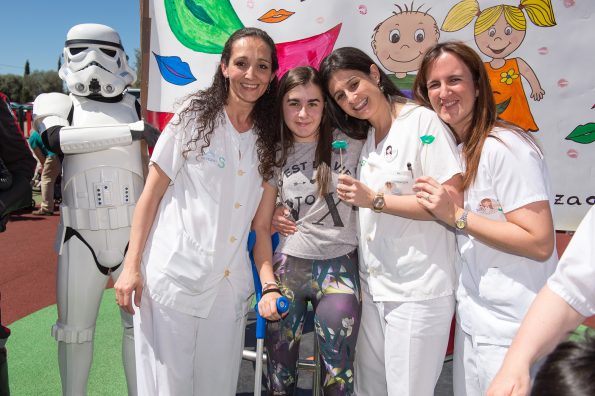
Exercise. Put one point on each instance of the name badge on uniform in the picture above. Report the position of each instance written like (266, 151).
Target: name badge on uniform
(390, 153)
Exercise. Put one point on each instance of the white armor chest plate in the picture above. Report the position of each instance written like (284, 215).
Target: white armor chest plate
(100, 189)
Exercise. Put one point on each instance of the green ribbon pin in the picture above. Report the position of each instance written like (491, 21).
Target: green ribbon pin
(427, 139)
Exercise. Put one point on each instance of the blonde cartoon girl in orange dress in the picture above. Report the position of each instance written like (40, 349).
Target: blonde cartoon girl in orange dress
(499, 31)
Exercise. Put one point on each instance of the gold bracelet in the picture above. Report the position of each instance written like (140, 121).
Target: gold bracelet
(266, 285)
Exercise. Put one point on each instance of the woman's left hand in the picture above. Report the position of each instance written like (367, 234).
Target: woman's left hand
(434, 197)
(267, 306)
(354, 192)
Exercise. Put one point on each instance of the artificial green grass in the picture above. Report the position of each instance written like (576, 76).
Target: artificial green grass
(581, 333)
(33, 354)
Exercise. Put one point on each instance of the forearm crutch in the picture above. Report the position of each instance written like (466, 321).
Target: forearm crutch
(282, 307)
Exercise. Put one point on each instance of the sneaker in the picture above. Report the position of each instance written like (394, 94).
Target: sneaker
(42, 212)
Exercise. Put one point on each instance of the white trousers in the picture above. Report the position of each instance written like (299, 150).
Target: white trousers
(476, 364)
(401, 346)
(180, 354)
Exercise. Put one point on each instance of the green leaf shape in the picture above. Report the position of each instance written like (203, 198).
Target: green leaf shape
(502, 106)
(199, 12)
(427, 139)
(340, 144)
(202, 25)
(583, 134)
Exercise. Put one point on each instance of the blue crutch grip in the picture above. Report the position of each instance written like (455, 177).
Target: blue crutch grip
(282, 305)
(282, 302)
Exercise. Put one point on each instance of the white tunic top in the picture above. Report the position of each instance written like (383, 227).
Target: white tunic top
(200, 233)
(574, 279)
(496, 288)
(404, 259)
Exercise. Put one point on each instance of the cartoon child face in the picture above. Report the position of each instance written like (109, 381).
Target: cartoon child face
(500, 40)
(401, 40)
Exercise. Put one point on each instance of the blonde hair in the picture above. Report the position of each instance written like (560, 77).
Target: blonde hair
(540, 12)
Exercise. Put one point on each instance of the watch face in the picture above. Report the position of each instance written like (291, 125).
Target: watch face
(460, 224)
(378, 203)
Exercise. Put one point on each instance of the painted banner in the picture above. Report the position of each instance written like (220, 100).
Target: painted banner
(539, 54)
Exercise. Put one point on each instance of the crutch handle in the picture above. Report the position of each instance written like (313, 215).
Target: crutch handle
(282, 305)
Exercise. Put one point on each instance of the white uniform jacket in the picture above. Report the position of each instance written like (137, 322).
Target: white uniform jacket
(574, 279)
(199, 236)
(496, 288)
(404, 259)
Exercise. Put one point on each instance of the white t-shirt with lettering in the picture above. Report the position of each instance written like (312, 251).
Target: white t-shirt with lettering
(326, 225)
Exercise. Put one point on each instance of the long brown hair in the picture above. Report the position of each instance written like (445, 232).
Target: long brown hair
(485, 115)
(296, 77)
(207, 107)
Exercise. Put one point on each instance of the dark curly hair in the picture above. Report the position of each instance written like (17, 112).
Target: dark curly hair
(206, 107)
(350, 58)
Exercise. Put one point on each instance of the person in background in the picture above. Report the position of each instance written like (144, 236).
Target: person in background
(505, 233)
(4, 334)
(187, 257)
(16, 170)
(564, 303)
(17, 165)
(51, 168)
(318, 263)
(406, 257)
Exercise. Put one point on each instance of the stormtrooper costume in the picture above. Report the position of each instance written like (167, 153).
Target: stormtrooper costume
(97, 131)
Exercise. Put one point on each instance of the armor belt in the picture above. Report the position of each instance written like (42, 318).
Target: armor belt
(70, 232)
(97, 219)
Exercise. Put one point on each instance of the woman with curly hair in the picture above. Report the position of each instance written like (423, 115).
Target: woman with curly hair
(191, 225)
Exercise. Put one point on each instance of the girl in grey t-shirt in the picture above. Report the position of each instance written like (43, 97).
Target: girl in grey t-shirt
(318, 263)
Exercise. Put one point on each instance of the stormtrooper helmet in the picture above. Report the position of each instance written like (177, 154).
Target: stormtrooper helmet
(95, 62)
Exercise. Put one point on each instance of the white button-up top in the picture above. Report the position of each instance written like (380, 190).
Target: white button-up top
(404, 259)
(200, 233)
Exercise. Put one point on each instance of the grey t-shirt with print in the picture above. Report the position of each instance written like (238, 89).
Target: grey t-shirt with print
(326, 225)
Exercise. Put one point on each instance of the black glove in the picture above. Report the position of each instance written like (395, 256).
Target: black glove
(149, 134)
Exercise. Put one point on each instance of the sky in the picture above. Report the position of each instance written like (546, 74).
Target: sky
(35, 30)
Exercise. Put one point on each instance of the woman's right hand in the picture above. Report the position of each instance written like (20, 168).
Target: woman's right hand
(282, 222)
(516, 382)
(130, 281)
(434, 197)
(267, 306)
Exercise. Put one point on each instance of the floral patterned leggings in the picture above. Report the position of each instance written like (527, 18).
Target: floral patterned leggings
(333, 288)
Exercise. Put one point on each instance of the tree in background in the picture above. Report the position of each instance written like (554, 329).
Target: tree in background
(25, 92)
(11, 85)
(138, 63)
(43, 82)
